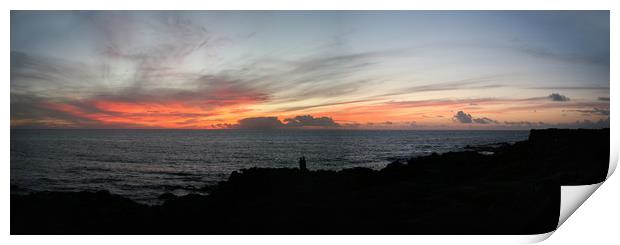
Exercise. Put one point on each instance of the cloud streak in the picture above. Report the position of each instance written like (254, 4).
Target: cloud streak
(601, 123)
(153, 108)
(594, 111)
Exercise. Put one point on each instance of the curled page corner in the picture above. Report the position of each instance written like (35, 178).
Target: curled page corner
(484, 239)
(518, 239)
(536, 238)
(573, 197)
(613, 151)
(613, 160)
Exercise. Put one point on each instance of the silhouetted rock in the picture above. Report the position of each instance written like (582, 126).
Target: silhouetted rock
(76, 213)
(167, 196)
(206, 188)
(516, 190)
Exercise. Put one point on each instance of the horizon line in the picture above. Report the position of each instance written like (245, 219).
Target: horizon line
(304, 129)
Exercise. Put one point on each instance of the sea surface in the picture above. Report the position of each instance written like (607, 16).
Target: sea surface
(143, 164)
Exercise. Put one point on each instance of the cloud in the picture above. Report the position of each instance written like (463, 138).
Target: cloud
(552, 105)
(155, 88)
(603, 98)
(524, 123)
(484, 120)
(38, 97)
(334, 66)
(595, 111)
(601, 123)
(351, 125)
(29, 111)
(310, 121)
(571, 88)
(304, 121)
(206, 91)
(223, 125)
(463, 117)
(586, 58)
(327, 74)
(288, 109)
(511, 103)
(55, 90)
(47, 76)
(152, 86)
(138, 79)
(436, 103)
(465, 84)
(156, 43)
(558, 97)
(260, 123)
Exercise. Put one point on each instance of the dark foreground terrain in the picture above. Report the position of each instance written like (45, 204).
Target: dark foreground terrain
(516, 190)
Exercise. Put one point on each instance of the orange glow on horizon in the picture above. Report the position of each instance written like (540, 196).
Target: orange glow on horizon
(387, 114)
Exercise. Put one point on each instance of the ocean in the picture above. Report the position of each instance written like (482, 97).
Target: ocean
(143, 164)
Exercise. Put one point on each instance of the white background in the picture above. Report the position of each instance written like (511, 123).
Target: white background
(595, 222)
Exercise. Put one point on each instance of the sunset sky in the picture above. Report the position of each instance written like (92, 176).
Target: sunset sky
(310, 69)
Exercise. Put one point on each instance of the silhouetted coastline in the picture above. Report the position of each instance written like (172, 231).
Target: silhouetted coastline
(503, 189)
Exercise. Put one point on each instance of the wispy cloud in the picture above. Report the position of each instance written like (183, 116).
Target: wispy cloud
(594, 111)
(604, 88)
(587, 58)
(312, 106)
(524, 123)
(323, 75)
(464, 84)
(601, 123)
(47, 76)
(484, 120)
(153, 108)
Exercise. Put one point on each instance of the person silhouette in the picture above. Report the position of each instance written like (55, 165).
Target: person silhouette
(302, 163)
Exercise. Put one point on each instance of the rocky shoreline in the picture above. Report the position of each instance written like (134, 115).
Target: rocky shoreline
(514, 190)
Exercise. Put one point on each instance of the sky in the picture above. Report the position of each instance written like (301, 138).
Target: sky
(310, 69)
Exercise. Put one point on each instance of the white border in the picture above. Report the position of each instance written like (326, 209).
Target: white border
(600, 216)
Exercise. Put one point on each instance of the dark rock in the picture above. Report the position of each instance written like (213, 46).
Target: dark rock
(167, 196)
(206, 188)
